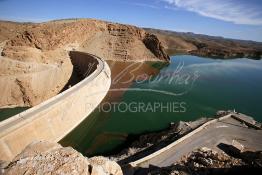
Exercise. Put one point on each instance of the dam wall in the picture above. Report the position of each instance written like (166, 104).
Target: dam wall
(55, 118)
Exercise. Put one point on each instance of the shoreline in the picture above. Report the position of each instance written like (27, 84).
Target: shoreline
(214, 57)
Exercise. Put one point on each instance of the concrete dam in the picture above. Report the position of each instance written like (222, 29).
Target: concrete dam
(55, 118)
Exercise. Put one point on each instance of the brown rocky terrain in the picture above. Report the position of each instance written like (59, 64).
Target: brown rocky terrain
(207, 46)
(106, 40)
(207, 161)
(52, 158)
(35, 62)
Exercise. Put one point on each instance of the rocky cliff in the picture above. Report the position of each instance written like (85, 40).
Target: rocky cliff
(35, 63)
(51, 158)
(104, 39)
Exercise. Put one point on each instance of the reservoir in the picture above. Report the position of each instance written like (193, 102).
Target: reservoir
(148, 96)
(9, 112)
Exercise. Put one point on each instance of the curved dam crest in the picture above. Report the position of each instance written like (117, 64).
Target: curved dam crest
(56, 117)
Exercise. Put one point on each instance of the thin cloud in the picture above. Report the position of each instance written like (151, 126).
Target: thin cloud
(226, 10)
(140, 4)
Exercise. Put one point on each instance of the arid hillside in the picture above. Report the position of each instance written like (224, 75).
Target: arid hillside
(107, 40)
(208, 46)
(35, 62)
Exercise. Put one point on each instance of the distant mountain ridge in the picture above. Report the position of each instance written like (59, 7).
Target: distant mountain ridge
(208, 46)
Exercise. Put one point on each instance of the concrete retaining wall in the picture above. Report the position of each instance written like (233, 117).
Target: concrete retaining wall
(145, 161)
(56, 117)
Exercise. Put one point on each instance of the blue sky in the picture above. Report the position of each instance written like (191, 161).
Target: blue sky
(240, 19)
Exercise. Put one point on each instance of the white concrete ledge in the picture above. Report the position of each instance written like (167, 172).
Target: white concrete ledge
(145, 160)
(56, 117)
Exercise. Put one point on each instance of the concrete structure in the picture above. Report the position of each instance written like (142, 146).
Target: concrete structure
(226, 129)
(56, 117)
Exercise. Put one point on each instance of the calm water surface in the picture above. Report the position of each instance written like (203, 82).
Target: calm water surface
(197, 86)
(9, 112)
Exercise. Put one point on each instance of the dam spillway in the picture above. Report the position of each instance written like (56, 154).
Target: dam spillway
(56, 117)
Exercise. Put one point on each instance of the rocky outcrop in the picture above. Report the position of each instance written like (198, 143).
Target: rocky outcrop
(26, 83)
(153, 44)
(207, 158)
(51, 158)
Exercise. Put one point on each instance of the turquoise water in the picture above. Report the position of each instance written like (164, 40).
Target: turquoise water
(188, 88)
